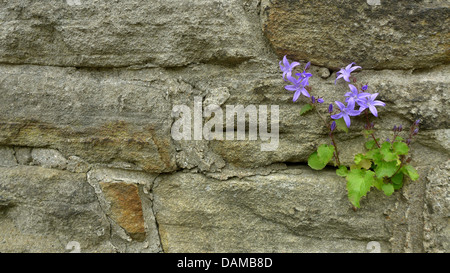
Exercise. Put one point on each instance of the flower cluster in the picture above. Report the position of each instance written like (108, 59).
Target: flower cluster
(300, 83)
(356, 97)
(385, 164)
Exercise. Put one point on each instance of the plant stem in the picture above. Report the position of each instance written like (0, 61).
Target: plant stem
(336, 153)
(368, 124)
(376, 142)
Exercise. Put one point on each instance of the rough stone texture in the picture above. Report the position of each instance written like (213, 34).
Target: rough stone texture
(44, 209)
(7, 157)
(23, 155)
(296, 210)
(126, 197)
(437, 210)
(97, 117)
(48, 158)
(87, 91)
(125, 33)
(126, 208)
(393, 35)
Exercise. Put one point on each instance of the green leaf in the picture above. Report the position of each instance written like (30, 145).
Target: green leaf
(342, 171)
(386, 169)
(358, 158)
(388, 189)
(325, 152)
(378, 182)
(341, 126)
(400, 148)
(410, 171)
(375, 156)
(359, 183)
(387, 153)
(362, 162)
(306, 108)
(397, 179)
(398, 139)
(371, 144)
(315, 163)
(319, 159)
(367, 133)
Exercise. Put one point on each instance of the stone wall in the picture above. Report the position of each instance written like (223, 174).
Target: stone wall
(86, 154)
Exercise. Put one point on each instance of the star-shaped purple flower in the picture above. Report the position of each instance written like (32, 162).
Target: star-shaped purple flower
(370, 102)
(345, 72)
(346, 112)
(287, 67)
(305, 77)
(298, 86)
(358, 97)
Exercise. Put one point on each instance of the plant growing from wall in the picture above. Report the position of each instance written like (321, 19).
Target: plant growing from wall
(385, 164)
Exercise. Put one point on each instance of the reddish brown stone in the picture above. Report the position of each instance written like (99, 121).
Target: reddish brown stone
(126, 207)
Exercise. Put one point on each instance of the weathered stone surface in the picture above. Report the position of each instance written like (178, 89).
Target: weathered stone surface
(393, 35)
(437, 210)
(97, 117)
(7, 157)
(296, 210)
(23, 155)
(77, 165)
(48, 158)
(94, 83)
(408, 96)
(125, 33)
(126, 197)
(49, 208)
(126, 208)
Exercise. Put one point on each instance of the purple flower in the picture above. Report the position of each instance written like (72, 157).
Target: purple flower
(307, 66)
(287, 68)
(370, 103)
(298, 87)
(333, 126)
(313, 99)
(358, 97)
(304, 77)
(320, 100)
(346, 112)
(364, 88)
(417, 122)
(330, 108)
(345, 72)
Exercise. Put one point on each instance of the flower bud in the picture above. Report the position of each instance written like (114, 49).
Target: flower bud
(333, 126)
(307, 65)
(400, 128)
(320, 100)
(364, 88)
(415, 131)
(395, 128)
(330, 108)
(313, 99)
(417, 122)
(408, 141)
